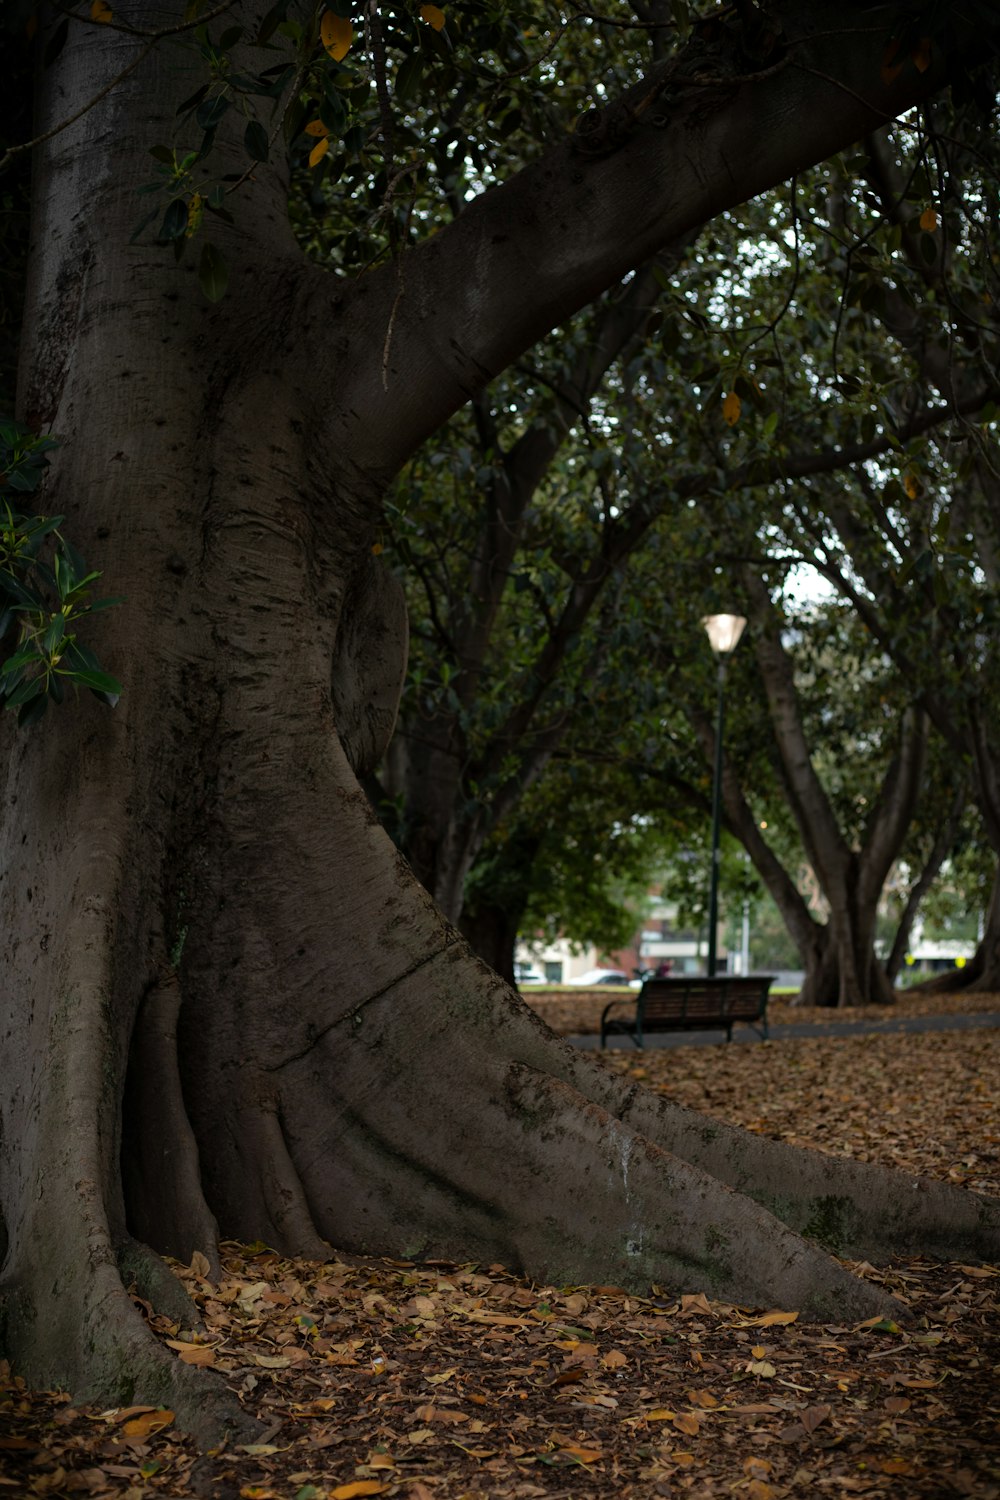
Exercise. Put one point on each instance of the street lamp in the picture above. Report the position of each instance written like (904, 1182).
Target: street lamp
(724, 633)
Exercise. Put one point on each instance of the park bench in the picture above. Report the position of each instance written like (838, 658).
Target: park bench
(689, 1003)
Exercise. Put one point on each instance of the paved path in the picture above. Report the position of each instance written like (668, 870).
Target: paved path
(882, 1025)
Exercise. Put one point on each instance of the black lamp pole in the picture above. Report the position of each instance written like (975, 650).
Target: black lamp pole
(724, 633)
(713, 887)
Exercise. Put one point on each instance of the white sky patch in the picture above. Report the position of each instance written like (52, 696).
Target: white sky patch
(804, 585)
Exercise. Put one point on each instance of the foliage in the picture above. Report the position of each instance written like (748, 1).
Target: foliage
(45, 592)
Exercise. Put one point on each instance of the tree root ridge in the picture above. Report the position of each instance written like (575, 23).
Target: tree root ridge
(860, 1210)
(161, 1174)
(506, 1160)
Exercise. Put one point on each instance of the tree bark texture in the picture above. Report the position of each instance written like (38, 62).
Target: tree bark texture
(226, 1004)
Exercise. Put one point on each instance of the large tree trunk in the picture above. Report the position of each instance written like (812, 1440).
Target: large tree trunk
(227, 1005)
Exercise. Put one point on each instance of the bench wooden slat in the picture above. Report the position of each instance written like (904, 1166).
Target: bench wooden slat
(690, 1002)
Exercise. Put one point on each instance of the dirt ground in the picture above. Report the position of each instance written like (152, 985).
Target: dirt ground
(442, 1382)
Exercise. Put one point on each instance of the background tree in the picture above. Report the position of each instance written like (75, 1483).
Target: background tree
(174, 867)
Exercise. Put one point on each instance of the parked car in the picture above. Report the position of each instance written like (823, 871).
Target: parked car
(525, 974)
(601, 976)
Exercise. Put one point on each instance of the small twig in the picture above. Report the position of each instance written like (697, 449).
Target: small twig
(392, 323)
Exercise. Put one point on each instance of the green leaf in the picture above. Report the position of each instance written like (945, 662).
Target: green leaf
(54, 634)
(26, 657)
(32, 711)
(98, 682)
(272, 21)
(174, 222)
(30, 688)
(213, 273)
(209, 114)
(408, 77)
(255, 141)
(190, 103)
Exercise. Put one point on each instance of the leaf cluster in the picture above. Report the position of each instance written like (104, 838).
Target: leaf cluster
(45, 591)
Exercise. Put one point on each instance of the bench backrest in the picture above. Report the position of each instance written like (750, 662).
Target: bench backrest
(737, 996)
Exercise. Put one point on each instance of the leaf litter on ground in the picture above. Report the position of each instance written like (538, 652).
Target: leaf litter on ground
(444, 1382)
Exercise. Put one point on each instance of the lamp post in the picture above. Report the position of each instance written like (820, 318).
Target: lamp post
(724, 633)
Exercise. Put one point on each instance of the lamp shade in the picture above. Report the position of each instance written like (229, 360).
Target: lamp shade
(724, 632)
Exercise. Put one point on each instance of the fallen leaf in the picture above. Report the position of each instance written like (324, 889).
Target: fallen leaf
(759, 1489)
(439, 1414)
(614, 1359)
(771, 1319)
(150, 1422)
(583, 1455)
(695, 1302)
(688, 1422)
(813, 1416)
(761, 1367)
(359, 1487)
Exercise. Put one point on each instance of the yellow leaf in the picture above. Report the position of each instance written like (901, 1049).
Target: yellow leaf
(928, 220)
(921, 54)
(100, 10)
(660, 1414)
(148, 1423)
(336, 33)
(769, 1320)
(911, 485)
(891, 69)
(761, 1367)
(198, 1355)
(432, 16)
(315, 127)
(359, 1487)
(758, 1351)
(122, 1413)
(318, 152)
(731, 408)
(583, 1455)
